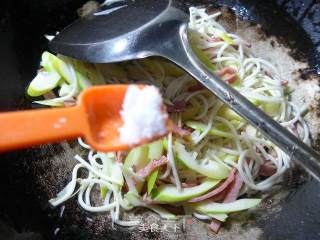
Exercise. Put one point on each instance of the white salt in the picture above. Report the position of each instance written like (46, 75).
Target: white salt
(142, 115)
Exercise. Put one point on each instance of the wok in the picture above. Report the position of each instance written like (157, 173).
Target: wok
(28, 180)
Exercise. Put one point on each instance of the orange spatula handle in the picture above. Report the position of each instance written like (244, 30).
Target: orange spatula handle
(26, 128)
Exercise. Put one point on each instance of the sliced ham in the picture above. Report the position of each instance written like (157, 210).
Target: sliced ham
(171, 178)
(231, 196)
(52, 95)
(219, 197)
(120, 156)
(231, 79)
(247, 44)
(225, 70)
(49, 95)
(284, 82)
(134, 168)
(70, 103)
(217, 190)
(215, 225)
(295, 130)
(188, 185)
(180, 131)
(267, 169)
(125, 187)
(196, 87)
(146, 171)
(231, 72)
(233, 193)
(211, 52)
(215, 39)
(235, 46)
(178, 106)
(268, 73)
(166, 181)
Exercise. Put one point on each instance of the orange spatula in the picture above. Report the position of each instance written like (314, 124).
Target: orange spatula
(96, 118)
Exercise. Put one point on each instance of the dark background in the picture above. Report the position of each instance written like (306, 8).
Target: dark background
(22, 26)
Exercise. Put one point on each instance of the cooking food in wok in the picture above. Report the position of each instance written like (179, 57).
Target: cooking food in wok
(29, 178)
(213, 163)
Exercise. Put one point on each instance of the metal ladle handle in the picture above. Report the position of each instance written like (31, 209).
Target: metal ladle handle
(290, 144)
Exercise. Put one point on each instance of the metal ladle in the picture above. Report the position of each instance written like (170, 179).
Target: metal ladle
(144, 28)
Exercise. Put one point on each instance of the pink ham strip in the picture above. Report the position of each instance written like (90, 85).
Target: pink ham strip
(230, 197)
(219, 197)
(67, 103)
(188, 185)
(177, 106)
(195, 87)
(231, 79)
(217, 190)
(284, 82)
(171, 178)
(295, 130)
(70, 103)
(267, 169)
(248, 45)
(233, 194)
(146, 171)
(180, 131)
(211, 52)
(120, 156)
(226, 70)
(134, 168)
(214, 39)
(215, 225)
(49, 95)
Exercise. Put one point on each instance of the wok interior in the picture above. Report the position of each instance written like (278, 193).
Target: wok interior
(30, 177)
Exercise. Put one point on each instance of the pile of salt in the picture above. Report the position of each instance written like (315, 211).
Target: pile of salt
(142, 114)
